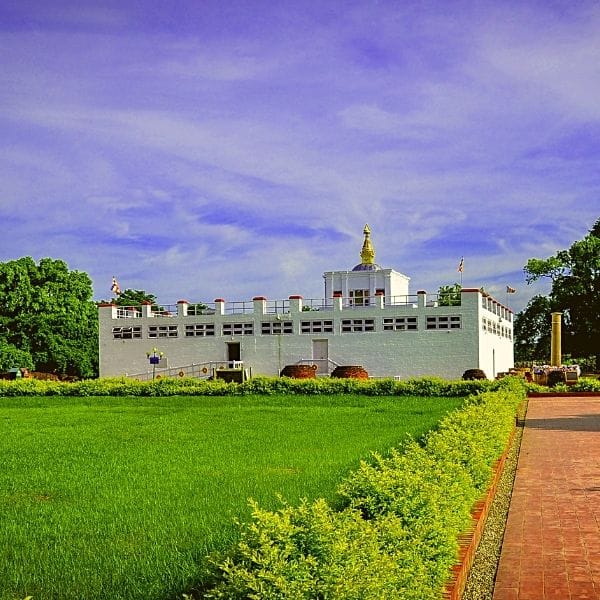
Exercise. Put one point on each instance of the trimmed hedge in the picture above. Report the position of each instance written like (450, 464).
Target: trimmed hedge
(184, 386)
(427, 386)
(395, 531)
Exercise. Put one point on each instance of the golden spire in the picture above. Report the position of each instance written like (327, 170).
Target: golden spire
(367, 254)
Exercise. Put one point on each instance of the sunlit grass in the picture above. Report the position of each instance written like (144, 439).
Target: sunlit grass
(124, 498)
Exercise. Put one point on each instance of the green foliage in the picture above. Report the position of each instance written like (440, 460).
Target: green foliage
(575, 276)
(314, 552)
(47, 313)
(586, 384)
(396, 533)
(11, 356)
(186, 386)
(449, 295)
(532, 331)
(131, 297)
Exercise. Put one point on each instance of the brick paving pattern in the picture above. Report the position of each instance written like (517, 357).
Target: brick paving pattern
(551, 547)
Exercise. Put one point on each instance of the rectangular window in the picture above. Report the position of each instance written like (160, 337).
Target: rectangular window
(316, 326)
(162, 331)
(276, 327)
(444, 322)
(359, 297)
(238, 328)
(400, 324)
(200, 330)
(354, 325)
(126, 333)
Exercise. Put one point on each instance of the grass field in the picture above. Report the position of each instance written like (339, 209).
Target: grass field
(123, 498)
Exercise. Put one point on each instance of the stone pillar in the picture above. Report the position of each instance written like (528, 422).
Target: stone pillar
(555, 343)
(260, 305)
(219, 306)
(182, 308)
(295, 304)
(337, 302)
(146, 308)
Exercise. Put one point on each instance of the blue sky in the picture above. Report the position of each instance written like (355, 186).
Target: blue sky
(231, 149)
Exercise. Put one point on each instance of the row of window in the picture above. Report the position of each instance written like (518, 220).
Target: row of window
(497, 309)
(287, 327)
(496, 328)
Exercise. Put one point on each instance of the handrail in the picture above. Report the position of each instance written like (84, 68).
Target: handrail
(202, 370)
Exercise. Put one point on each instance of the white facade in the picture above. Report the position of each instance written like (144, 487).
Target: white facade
(367, 318)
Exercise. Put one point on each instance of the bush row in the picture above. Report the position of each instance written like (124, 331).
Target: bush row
(585, 384)
(428, 386)
(395, 529)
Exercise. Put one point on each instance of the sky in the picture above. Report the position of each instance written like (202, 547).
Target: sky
(202, 149)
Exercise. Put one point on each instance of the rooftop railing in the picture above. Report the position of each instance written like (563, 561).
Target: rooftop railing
(277, 307)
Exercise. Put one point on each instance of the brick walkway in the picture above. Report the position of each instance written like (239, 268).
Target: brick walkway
(551, 546)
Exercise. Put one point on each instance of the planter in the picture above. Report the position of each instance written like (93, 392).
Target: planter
(299, 371)
(353, 371)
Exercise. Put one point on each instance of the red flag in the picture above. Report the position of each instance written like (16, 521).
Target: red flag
(461, 265)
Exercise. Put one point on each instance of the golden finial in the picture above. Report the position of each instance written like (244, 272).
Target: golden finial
(367, 253)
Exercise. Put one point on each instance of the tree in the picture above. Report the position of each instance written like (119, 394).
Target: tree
(449, 295)
(131, 297)
(575, 276)
(48, 314)
(532, 331)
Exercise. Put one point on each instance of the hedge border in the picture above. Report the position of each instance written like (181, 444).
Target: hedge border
(260, 562)
(425, 386)
(469, 541)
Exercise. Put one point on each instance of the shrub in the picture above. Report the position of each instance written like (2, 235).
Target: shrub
(397, 528)
(586, 384)
(314, 552)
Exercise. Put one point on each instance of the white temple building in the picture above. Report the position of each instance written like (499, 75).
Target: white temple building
(367, 317)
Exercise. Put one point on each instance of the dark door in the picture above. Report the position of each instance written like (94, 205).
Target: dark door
(233, 353)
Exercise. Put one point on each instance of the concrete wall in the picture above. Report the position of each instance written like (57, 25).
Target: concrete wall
(411, 353)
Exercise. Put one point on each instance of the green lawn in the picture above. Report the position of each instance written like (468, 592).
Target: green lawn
(123, 498)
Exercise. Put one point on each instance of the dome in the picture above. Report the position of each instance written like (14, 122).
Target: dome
(367, 267)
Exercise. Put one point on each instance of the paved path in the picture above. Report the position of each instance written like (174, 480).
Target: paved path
(551, 546)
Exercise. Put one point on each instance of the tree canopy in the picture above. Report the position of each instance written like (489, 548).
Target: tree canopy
(48, 320)
(575, 277)
(449, 295)
(131, 297)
